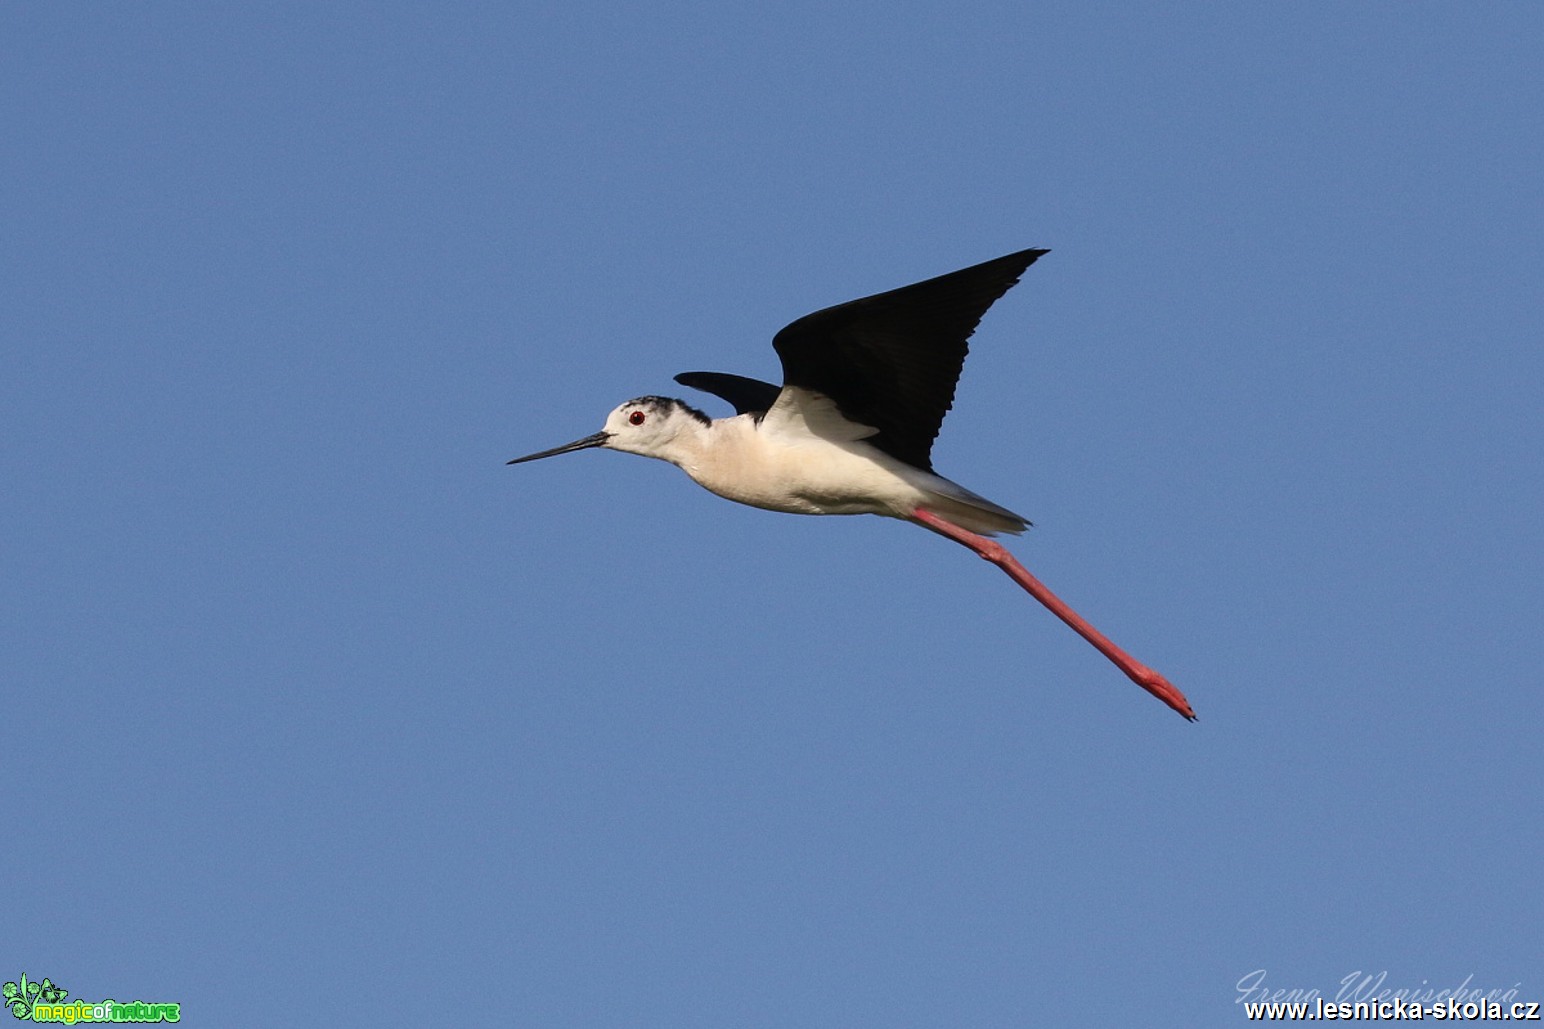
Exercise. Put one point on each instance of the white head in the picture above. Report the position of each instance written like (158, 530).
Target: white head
(644, 425)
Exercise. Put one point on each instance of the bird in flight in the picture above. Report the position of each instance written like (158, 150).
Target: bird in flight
(866, 385)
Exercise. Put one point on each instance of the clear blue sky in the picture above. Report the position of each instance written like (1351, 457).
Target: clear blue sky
(315, 706)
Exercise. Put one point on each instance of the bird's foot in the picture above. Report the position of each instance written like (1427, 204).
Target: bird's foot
(1161, 688)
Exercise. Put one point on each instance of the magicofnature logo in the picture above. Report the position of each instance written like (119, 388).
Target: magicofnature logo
(44, 1002)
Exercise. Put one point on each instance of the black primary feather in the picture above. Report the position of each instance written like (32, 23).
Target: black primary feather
(891, 360)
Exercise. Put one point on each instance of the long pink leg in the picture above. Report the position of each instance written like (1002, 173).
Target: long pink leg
(1137, 672)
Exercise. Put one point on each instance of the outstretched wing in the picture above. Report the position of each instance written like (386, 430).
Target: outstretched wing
(890, 360)
(749, 396)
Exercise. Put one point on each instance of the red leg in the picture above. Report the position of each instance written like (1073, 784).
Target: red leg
(1137, 672)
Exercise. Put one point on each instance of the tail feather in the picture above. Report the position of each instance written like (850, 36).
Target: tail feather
(973, 511)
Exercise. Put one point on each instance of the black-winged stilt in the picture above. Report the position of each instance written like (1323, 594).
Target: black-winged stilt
(866, 386)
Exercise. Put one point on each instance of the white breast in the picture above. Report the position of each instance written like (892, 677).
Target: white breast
(766, 465)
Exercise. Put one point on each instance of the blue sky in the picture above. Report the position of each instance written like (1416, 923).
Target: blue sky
(315, 704)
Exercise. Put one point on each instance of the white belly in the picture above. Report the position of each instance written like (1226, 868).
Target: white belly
(816, 478)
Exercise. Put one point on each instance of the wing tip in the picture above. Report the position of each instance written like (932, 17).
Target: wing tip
(747, 396)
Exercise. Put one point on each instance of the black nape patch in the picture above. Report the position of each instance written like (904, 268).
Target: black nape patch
(666, 403)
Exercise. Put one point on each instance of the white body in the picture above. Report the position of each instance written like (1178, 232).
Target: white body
(801, 457)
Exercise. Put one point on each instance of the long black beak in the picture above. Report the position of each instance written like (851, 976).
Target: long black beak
(598, 439)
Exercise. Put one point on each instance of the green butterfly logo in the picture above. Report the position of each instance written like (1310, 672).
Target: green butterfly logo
(22, 997)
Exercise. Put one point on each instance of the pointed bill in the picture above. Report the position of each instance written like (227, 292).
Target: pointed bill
(594, 440)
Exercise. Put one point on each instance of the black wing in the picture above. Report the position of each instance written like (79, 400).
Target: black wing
(891, 360)
(749, 396)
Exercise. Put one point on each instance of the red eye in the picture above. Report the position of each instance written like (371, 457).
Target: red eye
(636, 418)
